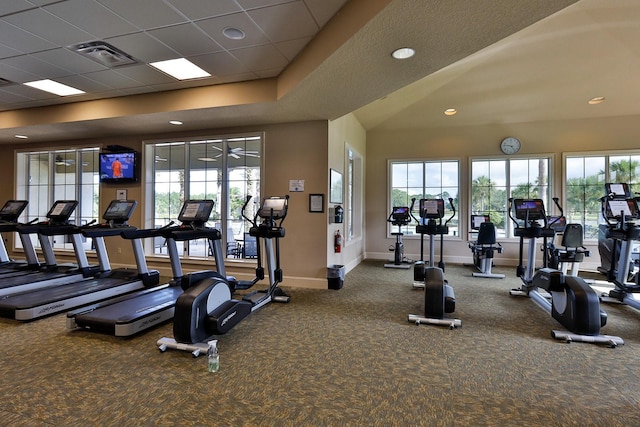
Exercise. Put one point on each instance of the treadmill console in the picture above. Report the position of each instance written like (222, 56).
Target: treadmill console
(616, 209)
(119, 211)
(195, 212)
(61, 211)
(619, 190)
(12, 209)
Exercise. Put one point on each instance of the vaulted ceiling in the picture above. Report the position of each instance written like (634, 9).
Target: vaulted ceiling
(493, 60)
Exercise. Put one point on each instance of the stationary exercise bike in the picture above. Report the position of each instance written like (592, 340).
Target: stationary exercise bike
(439, 298)
(571, 301)
(206, 308)
(399, 216)
(621, 213)
(484, 247)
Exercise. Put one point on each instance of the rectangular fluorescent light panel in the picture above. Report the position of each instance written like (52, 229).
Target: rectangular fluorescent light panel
(181, 69)
(54, 87)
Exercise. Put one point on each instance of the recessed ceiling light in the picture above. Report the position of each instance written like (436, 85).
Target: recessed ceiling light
(21, 136)
(54, 87)
(181, 69)
(233, 33)
(403, 53)
(450, 112)
(596, 100)
(175, 122)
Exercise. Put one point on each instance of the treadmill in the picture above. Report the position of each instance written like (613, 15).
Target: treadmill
(136, 312)
(106, 283)
(9, 214)
(50, 273)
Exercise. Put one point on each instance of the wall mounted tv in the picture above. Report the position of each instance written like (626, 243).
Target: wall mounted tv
(118, 167)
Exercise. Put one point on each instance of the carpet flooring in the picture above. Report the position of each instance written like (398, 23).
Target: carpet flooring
(345, 357)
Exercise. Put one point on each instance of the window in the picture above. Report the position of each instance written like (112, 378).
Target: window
(46, 176)
(424, 180)
(353, 206)
(585, 176)
(224, 169)
(494, 181)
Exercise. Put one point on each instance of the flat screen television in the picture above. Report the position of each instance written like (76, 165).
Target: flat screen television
(118, 167)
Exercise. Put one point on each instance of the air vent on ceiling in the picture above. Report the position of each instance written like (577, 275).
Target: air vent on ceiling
(104, 54)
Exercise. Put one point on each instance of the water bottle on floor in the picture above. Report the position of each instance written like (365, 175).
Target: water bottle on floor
(213, 357)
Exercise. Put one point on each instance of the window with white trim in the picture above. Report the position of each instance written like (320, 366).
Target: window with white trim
(494, 181)
(225, 169)
(424, 180)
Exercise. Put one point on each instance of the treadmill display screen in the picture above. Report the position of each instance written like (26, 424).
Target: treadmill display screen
(529, 209)
(12, 210)
(119, 210)
(196, 211)
(62, 210)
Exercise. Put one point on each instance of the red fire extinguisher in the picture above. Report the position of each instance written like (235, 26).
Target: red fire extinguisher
(337, 242)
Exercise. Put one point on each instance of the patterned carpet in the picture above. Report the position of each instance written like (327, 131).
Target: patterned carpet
(344, 357)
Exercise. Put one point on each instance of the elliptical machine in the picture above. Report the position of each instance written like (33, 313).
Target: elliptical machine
(400, 216)
(484, 247)
(571, 301)
(206, 308)
(620, 211)
(439, 298)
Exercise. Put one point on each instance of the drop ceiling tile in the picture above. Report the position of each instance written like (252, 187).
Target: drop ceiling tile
(186, 39)
(220, 64)
(146, 14)
(48, 26)
(215, 26)
(14, 74)
(84, 83)
(21, 40)
(112, 79)
(252, 4)
(199, 9)
(324, 10)
(33, 65)
(13, 6)
(291, 48)
(285, 22)
(69, 60)
(260, 57)
(92, 17)
(145, 74)
(6, 51)
(143, 47)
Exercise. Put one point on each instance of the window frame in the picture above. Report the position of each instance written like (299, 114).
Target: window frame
(409, 230)
(221, 216)
(506, 233)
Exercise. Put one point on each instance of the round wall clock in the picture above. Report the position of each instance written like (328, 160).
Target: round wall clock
(510, 145)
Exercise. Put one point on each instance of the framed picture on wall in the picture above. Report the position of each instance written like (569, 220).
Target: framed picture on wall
(335, 185)
(316, 202)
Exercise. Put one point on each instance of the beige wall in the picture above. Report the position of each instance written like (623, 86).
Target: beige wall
(462, 143)
(292, 151)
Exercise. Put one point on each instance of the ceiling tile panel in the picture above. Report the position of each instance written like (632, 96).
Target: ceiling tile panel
(145, 14)
(48, 26)
(92, 17)
(14, 74)
(13, 6)
(200, 9)
(112, 79)
(145, 74)
(324, 10)
(285, 22)
(34, 65)
(260, 57)
(6, 51)
(143, 47)
(253, 35)
(220, 64)
(291, 48)
(253, 4)
(186, 39)
(69, 60)
(21, 40)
